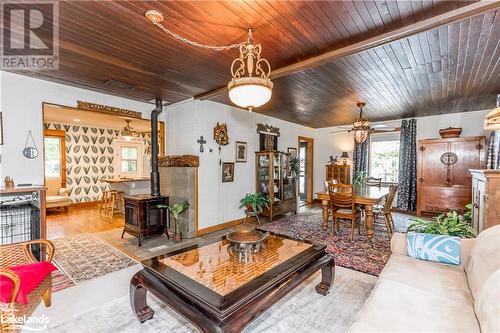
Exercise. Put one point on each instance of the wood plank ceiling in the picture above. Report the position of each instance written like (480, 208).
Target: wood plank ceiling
(450, 69)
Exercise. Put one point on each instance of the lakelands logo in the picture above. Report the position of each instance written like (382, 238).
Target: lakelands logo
(30, 35)
(9, 321)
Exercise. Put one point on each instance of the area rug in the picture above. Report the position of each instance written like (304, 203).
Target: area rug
(301, 310)
(83, 257)
(60, 280)
(367, 256)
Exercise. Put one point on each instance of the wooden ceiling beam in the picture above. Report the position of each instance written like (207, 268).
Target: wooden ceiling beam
(452, 16)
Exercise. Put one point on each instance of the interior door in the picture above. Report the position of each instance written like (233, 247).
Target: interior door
(55, 160)
(303, 171)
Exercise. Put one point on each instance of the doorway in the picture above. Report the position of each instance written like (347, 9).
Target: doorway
(306, 153)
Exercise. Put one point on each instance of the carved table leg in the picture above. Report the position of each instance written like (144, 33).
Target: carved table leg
(324, 205)
(327, 277)
(369, 221)
(138, 299)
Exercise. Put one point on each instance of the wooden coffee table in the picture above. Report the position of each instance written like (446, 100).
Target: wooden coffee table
(209, 287)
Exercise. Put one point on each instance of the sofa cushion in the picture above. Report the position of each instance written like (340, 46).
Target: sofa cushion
(398, 307)
(436, 278)
(487, 304)
(439, 248)
(483, 259)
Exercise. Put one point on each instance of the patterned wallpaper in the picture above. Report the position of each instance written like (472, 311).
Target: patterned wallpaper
(89, 157)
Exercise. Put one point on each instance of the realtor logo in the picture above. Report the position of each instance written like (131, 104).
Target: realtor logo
(30, 35)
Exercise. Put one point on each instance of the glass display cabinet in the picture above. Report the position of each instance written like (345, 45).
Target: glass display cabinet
(275, 180)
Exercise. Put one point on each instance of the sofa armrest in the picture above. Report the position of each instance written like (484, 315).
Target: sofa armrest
(63, 192)
(466, 245)
(398, 243)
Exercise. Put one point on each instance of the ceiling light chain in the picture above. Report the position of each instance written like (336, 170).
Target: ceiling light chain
(156, 18)
(250, 86)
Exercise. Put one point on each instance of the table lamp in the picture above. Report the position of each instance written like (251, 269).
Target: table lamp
(344, 157)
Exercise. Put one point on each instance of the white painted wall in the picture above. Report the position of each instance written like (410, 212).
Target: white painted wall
(21, 99)
(427, 127)
(186, 121)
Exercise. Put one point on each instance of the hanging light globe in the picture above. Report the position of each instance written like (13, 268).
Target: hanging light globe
(250, 86)
(361, 127)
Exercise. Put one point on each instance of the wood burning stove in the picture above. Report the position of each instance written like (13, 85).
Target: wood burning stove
(145, 214)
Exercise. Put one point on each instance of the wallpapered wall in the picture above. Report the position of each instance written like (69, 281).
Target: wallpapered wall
(89, 158)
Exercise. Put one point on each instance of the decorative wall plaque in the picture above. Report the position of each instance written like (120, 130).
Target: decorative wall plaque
(108, 109)
(268, 137)
(268, 129)
(220, 134)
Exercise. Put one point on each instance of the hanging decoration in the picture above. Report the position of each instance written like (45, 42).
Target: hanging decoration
(361, 127)
(250, 85)
(201, 141)
(220, 134)
(30, 151)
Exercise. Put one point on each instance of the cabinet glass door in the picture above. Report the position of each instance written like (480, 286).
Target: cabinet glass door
(263, 175)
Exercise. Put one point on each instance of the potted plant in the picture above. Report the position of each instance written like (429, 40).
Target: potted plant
(255, 202)
(294, 166)
(359, 178)
(451, 224)
(176, 211)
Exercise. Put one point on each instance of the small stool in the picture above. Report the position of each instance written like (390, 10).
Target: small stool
(251, 214)
(107, 207)
(119, 201)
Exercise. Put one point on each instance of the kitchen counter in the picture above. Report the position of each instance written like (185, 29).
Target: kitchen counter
(129, 186)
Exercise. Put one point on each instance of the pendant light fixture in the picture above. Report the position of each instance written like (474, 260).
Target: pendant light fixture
(128, 132)
(250, 86)
(361, 127)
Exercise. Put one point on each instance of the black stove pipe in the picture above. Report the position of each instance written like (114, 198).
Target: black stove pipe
(155, 175)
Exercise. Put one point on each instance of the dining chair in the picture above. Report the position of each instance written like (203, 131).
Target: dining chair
(342, 207)
(385, 210)
(333, 181)
(373, 181)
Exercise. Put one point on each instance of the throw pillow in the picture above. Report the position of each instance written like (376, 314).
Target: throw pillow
(439, 248)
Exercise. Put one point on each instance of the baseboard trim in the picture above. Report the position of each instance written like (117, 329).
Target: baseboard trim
(84, 204)
(218, 227)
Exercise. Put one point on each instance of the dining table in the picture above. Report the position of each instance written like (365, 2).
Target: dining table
(365, 195)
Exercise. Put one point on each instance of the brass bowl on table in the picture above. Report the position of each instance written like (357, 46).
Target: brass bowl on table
(243, 243)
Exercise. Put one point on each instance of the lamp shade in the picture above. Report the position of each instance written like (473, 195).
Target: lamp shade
(250, 92)
(344, 155)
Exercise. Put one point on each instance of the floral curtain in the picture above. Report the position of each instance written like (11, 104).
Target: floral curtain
(407, 179)
(360, 157)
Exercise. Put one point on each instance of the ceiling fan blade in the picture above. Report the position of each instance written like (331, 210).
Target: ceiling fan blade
(341, 131)
(386, 130)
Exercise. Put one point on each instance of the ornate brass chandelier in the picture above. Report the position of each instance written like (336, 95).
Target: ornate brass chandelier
(361, 127)
(250, 86)
(128, 133)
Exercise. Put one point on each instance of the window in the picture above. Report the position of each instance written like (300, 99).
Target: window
(129, 159)
(384, 156)
(52, 157)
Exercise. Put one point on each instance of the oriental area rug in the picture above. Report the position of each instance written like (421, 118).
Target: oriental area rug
(367, 256)
(83, 257)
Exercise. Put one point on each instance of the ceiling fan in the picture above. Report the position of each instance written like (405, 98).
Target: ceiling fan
(362, 127)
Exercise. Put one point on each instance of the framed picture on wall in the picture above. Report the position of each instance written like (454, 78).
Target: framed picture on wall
(227, 172)
(241, 152)
(292, 152)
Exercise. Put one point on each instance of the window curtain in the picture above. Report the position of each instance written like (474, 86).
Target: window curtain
(407, 179)
(360, 157)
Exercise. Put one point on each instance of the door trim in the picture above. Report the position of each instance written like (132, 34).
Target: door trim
(309, 165)
(62, 136)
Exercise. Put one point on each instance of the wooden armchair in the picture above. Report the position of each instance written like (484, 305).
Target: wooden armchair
(386, 210)
(20, 254)
(342, 206)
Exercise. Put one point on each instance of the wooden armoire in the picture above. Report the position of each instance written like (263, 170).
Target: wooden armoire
(443, 178)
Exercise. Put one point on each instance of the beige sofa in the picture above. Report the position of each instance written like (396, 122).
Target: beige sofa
(420, 296)
(57, 196)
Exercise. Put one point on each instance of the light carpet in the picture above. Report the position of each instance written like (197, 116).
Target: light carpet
(302, 310)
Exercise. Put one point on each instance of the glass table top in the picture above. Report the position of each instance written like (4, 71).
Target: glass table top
(218, 269)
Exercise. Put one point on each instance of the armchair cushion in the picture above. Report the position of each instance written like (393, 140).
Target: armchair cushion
(63, 192)
(30, 276)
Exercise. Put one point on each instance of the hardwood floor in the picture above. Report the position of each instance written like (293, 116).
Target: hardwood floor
(79, 220)
(86, 219)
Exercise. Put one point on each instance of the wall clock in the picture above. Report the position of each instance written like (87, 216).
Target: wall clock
(220, 134)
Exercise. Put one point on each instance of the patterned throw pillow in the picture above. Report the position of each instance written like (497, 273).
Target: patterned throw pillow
(440, 248)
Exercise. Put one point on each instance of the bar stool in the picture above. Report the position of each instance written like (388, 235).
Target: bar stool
(107, 206)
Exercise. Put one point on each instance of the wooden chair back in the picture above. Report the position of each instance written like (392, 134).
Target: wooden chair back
(373, 181)
(341, 196)
(331, 181)
(390, 198)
